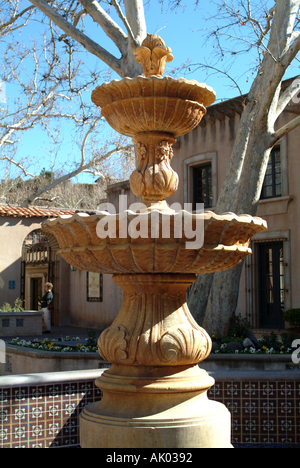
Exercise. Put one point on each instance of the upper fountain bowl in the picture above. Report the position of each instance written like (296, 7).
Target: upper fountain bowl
(154, 104)
(151, 103)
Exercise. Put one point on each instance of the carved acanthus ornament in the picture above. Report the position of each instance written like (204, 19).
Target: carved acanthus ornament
(140, 151)
(154, 179)
(153, 55)
(164, 151)
(154, 328)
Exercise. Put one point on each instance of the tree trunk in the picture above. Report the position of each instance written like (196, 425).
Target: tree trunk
(240, 194)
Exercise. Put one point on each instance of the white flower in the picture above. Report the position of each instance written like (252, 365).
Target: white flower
(252, 350)
(223, 346)
(236, 351)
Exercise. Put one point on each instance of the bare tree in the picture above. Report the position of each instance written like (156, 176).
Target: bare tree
(50, 77)
(13, 16)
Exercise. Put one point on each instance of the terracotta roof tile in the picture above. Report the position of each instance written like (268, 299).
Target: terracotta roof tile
(32, 211)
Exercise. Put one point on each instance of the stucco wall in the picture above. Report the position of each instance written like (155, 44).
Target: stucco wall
(97, 315)
(214, 142)
(12, 234)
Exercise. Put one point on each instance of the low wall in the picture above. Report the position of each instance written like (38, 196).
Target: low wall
(21, 323)
(42, 410)
(26, 361)
(249, 362)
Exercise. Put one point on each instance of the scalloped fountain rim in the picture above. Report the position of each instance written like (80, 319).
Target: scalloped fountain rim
(186, 89)
(228, 237)
(228, 220)
(242, 218)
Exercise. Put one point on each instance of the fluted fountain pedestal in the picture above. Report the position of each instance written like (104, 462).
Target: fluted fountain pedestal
(155, 395)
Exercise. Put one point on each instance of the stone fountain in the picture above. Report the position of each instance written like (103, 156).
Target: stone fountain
(154, 394)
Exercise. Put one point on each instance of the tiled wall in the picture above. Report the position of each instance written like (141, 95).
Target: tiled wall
(263, 412)
(47, 415)
(43, 416)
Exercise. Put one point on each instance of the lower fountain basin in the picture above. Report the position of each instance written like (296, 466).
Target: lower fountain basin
(154, 242)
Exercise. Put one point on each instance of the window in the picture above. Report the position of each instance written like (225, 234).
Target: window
(271, 284)
(202, 186)
(272, 183)
(20, 322)
(94, 287)
(5, 323)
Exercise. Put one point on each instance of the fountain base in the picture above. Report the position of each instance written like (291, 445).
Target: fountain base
(155, 408)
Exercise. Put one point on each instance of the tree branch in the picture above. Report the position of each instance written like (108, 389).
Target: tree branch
(136, 18)
(111, 29)
(14, 18)
(288, 95)
(268, 26)
(79, 170)
(286, 129)
(78, 36)
(124, 20)
(292, 52)
(17, 164)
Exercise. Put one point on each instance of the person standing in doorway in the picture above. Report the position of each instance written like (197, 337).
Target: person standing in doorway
(46, 302)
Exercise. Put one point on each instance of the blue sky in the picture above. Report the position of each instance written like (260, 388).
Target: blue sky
(184, 30)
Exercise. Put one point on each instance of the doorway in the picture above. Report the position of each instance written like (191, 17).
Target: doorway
(271, 285)
(36, 292)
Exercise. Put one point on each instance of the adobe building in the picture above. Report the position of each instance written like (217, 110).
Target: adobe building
(28, 260)
(271, 276)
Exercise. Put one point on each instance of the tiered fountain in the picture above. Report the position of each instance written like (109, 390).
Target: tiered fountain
(154, 394)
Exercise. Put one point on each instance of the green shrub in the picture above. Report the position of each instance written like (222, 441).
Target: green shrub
(16, 308)
(18, 305)
(288, 338)
(292, 316)
(6, 307)
(239, 327)
(271, 341)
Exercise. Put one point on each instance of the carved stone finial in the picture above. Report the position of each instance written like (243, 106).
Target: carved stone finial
(153, 55)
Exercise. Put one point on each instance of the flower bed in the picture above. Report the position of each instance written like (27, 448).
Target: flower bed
(241, 340)
(62, 345)
(272, 345)
(47, 355)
